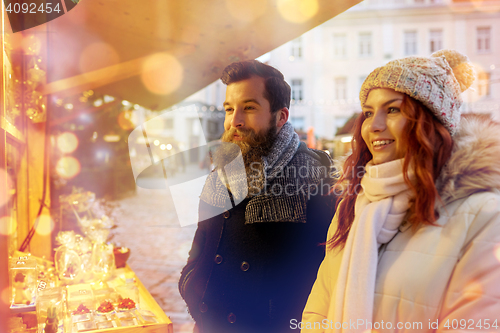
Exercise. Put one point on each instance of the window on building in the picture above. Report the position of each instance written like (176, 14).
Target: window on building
(410, 42)
(483, 84)
(296, 50)
(436, 40)
(298, 123)
(340, 88)
(339, 45)
(365, 44)
(297, 94)
(484, 39)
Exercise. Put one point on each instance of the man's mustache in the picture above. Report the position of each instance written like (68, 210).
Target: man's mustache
(242, 133)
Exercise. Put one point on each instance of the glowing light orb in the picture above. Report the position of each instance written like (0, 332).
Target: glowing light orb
(45, 225)
(156, 142)
(98, 55)
(169, 146)
(297, 11)
(67, 142)
(183, 250)
(246, 11)
(497, 252)
(125, 120)
(162, 73)
(68, 167)
(31, 45)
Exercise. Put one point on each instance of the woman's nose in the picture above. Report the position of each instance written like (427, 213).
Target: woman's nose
(379, 122)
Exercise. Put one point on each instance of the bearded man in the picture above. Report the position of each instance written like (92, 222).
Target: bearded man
(251, 268)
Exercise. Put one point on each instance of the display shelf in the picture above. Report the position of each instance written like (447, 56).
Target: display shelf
(147, 302)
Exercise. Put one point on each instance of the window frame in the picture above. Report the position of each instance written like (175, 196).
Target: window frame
(365, 41)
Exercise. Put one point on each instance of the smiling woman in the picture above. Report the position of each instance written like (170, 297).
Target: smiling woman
(426, 225)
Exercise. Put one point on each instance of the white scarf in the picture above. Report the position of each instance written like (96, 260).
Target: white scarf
(379, 211)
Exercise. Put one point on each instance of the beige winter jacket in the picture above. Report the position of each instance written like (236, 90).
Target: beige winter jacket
(445, 276)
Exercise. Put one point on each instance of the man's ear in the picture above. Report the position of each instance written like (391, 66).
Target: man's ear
(282, 117)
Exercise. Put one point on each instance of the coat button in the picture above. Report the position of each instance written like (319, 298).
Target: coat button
(245, 266)
(203, 307)
(226, 214)
(218, 259)
(231, 318)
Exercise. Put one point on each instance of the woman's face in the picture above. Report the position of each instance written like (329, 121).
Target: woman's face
(382, 129)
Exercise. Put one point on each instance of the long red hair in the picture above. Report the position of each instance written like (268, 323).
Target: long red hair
(429, 147)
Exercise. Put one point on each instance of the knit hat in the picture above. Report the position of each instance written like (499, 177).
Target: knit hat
(437, 82)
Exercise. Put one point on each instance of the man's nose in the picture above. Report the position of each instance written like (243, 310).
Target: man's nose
(237, 120)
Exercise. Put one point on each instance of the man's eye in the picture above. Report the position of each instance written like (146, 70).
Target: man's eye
(228, 110)
(249, 107)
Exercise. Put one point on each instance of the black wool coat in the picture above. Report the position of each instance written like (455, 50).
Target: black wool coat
(252, 272)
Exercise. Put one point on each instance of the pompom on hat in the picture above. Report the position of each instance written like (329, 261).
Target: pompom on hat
(437, 82)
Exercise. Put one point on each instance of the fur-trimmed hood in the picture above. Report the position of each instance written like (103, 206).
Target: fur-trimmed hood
(474, 165)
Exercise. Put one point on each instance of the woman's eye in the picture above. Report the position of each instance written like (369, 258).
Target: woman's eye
(368, 114)
(393, 110)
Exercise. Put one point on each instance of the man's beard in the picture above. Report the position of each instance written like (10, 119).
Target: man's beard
(253, 146)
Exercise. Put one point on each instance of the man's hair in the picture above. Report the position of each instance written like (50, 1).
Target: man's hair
(277, 91)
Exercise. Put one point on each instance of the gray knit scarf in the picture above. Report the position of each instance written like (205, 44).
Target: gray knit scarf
(248, 183)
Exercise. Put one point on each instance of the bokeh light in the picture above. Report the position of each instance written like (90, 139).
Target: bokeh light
(162, 73)
(5, 191)
(480, 84)
(183, 250)
(45, 225)
(497, 252)
(125, 120)
(297, 11)
(68, 167)
(67, 142)
(246, 11)
(98, 55)
(31, 45)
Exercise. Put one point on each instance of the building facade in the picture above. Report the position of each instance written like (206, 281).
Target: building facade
(326, 66)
